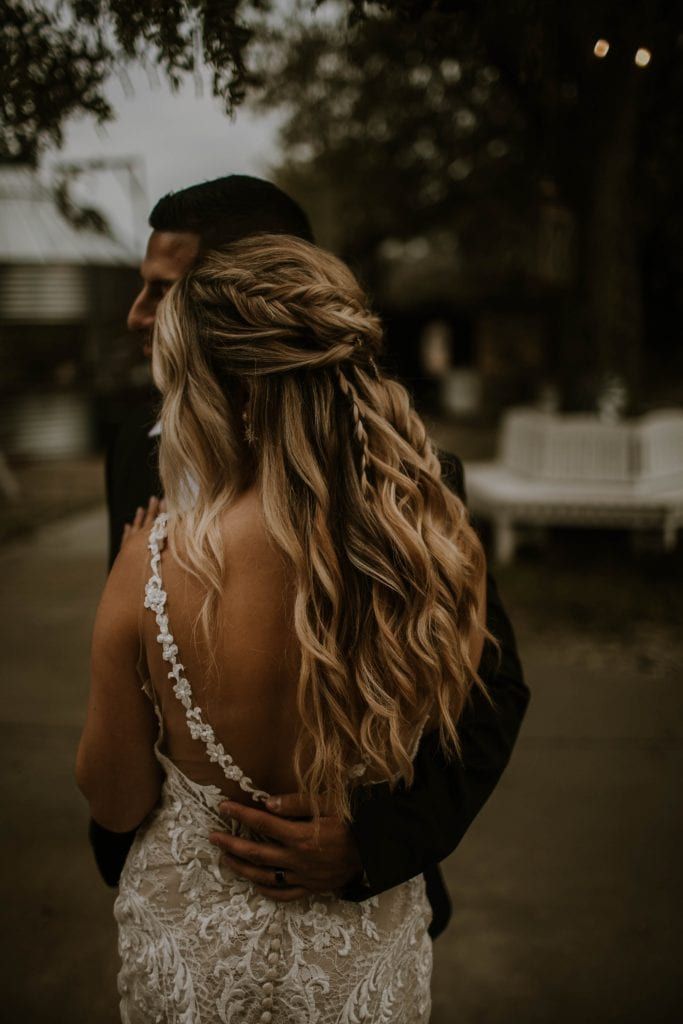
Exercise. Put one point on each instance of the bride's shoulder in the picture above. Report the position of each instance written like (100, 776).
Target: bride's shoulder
(131, 568)
(117, 622)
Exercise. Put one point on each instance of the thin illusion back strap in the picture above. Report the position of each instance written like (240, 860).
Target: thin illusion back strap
(155, 599)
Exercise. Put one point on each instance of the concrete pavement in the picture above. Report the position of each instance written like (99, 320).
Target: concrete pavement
(567, 889)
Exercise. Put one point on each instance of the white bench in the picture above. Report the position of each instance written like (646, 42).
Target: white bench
(576, 470)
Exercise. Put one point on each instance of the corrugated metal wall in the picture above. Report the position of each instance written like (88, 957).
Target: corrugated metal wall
(47, 426)
(38, 293)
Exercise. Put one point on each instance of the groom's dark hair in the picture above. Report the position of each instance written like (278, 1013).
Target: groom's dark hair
(230, 208)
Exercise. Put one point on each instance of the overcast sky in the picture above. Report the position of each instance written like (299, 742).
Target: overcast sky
(181, 137)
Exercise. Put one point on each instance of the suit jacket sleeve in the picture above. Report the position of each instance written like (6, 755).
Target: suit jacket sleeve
(132, 472)
(131, 476)
(401, 834)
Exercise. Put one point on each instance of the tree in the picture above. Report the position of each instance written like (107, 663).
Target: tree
(577, 124)
(393, 137)
(416, 117)
(56, 57)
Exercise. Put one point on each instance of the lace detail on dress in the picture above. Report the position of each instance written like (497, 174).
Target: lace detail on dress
(155, 598)
(198, 945)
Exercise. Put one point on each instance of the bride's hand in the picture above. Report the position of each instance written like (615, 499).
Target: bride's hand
(327, 865)
(144, 517)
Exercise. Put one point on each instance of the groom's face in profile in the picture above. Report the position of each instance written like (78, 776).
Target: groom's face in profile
(170, 254)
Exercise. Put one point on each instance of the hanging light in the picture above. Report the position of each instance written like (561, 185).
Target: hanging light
(643, 57)
(601, 48)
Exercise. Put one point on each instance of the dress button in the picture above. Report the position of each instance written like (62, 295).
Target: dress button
(267, 1002)
(275, 943)
(273, 958)
(267, 987)
(273, 928)
(266, 1017)
(271, 973)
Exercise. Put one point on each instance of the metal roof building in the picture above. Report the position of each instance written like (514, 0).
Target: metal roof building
(32, 230)
(42, 255)
(64, 294)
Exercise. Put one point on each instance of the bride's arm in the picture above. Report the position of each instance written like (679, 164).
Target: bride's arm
(116, 769)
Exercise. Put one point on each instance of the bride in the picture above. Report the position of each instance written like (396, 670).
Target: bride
(311, 601)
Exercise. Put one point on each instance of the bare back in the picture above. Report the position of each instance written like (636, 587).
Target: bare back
(197, 939)
(249, 695)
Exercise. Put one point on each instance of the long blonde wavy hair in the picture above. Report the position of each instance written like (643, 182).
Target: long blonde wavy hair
(385, 561)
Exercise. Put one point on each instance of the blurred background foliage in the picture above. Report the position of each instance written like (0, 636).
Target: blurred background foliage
(55, 57)
(494, 131)
(471, 159)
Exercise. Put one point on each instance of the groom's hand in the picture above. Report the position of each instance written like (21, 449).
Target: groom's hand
(325, 865)
(144, 518)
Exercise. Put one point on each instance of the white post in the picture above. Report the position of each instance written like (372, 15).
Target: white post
(505, 540)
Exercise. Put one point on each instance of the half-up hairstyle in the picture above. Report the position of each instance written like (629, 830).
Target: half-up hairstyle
(387, 567)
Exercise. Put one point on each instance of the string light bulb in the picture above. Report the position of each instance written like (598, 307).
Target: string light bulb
(643, 57)
(601, 48)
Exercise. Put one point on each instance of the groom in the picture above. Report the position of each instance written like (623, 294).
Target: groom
(393, 836)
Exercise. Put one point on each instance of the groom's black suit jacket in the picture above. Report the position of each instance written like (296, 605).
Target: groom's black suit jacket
(408, 832)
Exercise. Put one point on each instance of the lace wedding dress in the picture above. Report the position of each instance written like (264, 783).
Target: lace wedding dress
(199, 945)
